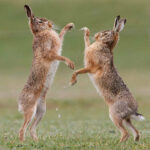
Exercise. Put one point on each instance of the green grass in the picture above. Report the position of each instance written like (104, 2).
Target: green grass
(84, 122)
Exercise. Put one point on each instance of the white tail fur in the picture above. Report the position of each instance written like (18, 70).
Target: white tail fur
(137, 117)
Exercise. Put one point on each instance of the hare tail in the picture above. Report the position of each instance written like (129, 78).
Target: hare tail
(138, 117)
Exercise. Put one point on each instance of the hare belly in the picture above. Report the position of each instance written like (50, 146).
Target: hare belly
(51, 74)
(52, 71)
(94, 83)
(49, 79)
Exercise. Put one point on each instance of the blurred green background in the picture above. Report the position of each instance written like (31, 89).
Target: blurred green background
(81, 102)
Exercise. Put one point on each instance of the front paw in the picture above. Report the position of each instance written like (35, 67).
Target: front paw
(69, 26)
(86, 31)
(70, 64)
(73, 80)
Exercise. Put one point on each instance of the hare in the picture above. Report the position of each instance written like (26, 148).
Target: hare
(100, 67)
(47, 47)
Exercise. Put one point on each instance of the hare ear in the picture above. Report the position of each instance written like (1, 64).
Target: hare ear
(28, 11)
(116, 22)
(122, 22)
(119, 24)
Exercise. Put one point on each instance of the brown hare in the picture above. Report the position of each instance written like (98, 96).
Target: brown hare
(100, 67)
(47, 47)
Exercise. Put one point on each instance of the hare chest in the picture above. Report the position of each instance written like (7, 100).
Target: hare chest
(87, 63)
(91, 76)
(51, 72)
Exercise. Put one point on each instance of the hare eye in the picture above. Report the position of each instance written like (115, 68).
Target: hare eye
(40, 22)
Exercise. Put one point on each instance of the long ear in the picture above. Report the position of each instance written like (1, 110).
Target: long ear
(116, 22)
(28, 11)
(119, 24)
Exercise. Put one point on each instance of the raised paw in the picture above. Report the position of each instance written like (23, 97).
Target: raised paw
(73, 80)
(86, 30)
(70, 64)
(69, 26)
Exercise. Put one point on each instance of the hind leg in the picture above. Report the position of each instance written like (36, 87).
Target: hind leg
(41, 109)
(133, 129)
(119, 123)
(28, 114)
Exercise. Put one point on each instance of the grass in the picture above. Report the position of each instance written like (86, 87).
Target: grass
(84, 122)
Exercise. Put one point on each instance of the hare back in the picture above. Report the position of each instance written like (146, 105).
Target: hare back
(112, 87)
(40, 78)
(110, 82)
(34, 86)
(42, 71)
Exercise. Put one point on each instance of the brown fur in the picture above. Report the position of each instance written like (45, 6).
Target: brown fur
(100, 67)
(46, 52)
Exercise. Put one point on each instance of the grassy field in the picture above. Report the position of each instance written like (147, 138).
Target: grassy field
(76, 118)
(79, 124)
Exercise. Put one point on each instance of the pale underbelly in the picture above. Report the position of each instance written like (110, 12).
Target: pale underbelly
(92, 79)
(51, 73)
(94, 83)
(50, 76)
